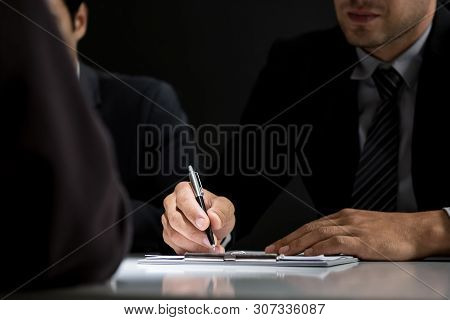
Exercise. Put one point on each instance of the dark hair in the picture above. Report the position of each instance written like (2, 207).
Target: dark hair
(73, 6)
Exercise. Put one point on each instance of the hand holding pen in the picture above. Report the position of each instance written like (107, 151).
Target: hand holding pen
(185, 222)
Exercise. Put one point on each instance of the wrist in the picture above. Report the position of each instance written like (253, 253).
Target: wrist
(437, 233)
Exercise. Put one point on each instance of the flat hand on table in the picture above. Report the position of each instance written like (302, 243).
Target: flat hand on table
(371, 236)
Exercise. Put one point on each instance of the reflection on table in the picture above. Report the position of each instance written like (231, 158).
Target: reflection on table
(363, 280)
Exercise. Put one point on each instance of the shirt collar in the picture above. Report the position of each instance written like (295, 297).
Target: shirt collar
(407, 64)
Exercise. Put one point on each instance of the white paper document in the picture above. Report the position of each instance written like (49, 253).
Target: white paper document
(249, 258)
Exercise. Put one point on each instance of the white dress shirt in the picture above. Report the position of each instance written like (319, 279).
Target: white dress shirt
(408, 66)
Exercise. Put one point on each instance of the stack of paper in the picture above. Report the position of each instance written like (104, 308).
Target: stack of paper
(236, 258)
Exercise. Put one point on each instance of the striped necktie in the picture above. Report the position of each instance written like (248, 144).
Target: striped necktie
(376, 181)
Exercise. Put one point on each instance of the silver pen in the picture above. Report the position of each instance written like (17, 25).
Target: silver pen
(198, 192)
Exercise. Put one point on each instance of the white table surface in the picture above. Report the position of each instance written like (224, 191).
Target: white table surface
(363, 280)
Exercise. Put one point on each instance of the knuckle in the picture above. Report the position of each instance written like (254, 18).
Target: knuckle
(339, 241)
(165, 222)
(348, 212)
(226, 206)
(181, 198)
(324, 231)
(166, 236)
(230, 206)
(308, 227)
(221, 199)
(182, 186)
(185, 200)
(180, 251)
(175, 238)
(174, 222)
(351, 219)
(167, 200)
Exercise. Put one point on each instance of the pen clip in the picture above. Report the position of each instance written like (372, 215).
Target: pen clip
(199, 184)
(196, 184)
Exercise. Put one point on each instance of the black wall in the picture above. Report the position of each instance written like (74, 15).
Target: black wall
(211, 51)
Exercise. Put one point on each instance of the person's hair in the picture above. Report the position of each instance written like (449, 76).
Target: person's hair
(73, 6)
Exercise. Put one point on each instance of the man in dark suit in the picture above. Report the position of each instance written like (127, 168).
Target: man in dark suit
(374, 92)
(127, 104)
(63, 207)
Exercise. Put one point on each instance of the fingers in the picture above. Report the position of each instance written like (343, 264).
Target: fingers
(180, 243)
(219, 249)
(302, 231)
(177, 250)
(179, 233)
(184, 220)
(178, 222)
(334, 246)
(339, 214)
(310, 239)
(336, 219)
(186, 203)
(221, 213)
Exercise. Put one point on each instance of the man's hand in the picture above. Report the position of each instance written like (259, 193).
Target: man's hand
(371, 236)
(184, 221)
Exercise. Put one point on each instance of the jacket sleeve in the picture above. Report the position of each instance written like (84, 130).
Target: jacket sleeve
(64, 211)
(167, 126)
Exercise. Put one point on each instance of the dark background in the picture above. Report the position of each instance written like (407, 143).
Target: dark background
(211, 51)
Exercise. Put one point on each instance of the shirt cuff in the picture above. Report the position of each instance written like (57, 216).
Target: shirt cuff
(447, 210)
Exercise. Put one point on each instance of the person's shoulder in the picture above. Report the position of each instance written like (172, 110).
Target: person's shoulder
(441, 30)
(134, 84)
(148, 94)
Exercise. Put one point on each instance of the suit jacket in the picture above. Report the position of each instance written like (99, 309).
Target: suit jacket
(126, 104)
(63, 206)
(295, 69)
